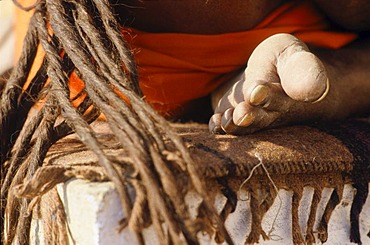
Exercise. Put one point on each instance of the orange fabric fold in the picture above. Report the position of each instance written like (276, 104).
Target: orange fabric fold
(177, 68)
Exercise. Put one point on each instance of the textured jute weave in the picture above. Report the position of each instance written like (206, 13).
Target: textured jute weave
(289, 158)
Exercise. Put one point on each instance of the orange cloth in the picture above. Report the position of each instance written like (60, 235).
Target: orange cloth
(177, 68)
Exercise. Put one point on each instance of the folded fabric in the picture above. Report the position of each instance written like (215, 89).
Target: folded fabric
(177, 68)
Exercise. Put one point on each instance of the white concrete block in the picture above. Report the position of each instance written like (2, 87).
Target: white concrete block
(94, 212)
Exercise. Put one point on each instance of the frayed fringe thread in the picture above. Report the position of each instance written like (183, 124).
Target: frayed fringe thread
(262, 195)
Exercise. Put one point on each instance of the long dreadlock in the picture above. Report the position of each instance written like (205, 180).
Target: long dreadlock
(73, 33)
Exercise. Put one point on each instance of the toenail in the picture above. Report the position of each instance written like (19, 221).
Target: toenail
(246, 120)
(227, 125)
(325, 93)
(217, 130)
(259, 95)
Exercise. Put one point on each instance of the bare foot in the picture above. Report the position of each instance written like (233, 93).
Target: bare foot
(280, 85)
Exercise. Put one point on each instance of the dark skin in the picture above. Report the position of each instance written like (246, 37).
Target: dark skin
(195, 16)
(338, 85)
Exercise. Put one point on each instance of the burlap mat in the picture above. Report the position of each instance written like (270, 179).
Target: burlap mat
(291, 150)
(291, 158)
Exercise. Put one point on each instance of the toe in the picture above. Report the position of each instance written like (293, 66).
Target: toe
(304, 78)
(262, 104)
(267, 95)
(244, 114)
(259, 95)
(214, 124)
(227, 123)
(249, 119)
(241, 119)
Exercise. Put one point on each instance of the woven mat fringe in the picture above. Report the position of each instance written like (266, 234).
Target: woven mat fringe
(292, 158)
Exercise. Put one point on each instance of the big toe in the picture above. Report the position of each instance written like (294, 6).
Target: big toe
(304, 78)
